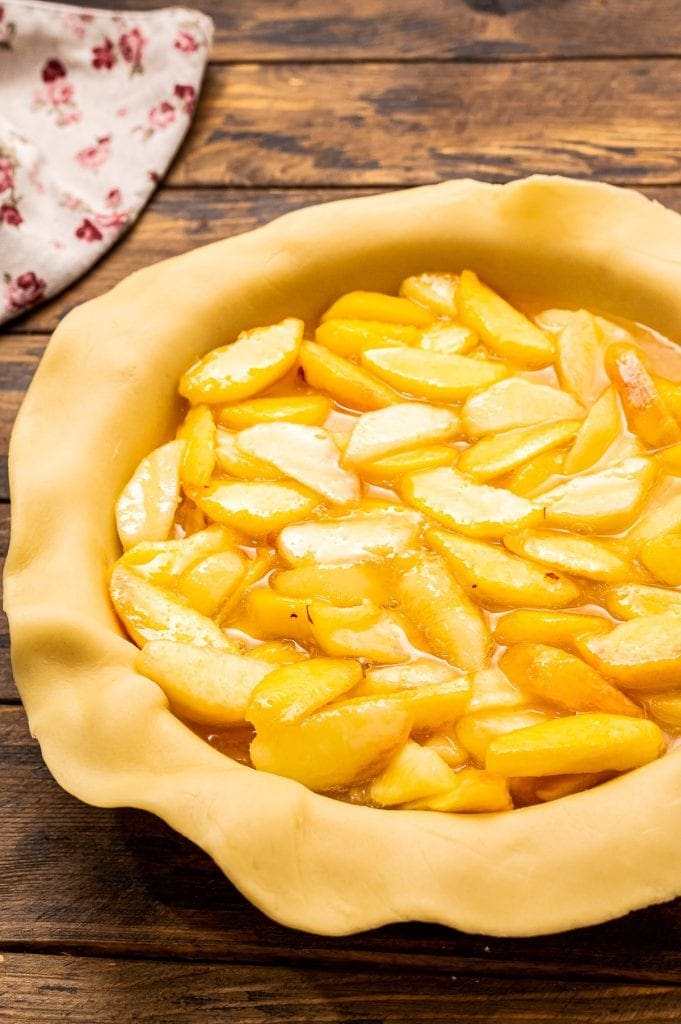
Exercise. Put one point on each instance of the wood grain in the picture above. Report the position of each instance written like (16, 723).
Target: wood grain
(437, 29)
(8, 691)
(80, 879)
(19, 357)
(385, 125)
(48, 988)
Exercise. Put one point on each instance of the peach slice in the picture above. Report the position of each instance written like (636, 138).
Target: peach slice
(431, 705)
(606, 501)
(641, 654)
(256, 507)
(163, 562)
(199, 432)
(256, 359)
(449, 339)
(378, 307)
(414, 773)
(349, 338)
(370, 535)
(529, 478)
(496, 578)
(309, 409)
(232, 461)
(599, 430)
(271, 616)
(349, 385)
(365, 631)
(402, 426)
(437, 292)
(662, 557)
(504, 329)
(578, 556)
(292, 692)
(578, 743)
(474, 792)
(631, 600)
(146, 505)
(209, 584)
(411, 675)
(476, 730)
(556, 628)
(392, 468)
(493, 456)
(580, 351)
(432, 375)
(561, 678)
(516, 402)
(491, 689)
(666, 708)
(647, 412)
(344, 585)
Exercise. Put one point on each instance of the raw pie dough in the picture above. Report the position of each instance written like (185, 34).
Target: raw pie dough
(104, 395)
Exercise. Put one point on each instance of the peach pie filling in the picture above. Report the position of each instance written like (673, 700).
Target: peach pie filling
(430, 559)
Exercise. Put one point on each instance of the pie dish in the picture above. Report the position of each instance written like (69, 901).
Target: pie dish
(104, 396)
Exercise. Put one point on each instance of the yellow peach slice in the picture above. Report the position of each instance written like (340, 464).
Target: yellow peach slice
(146, 505)
(598, 431)
(377, 306)
(210, 583)
(475, 792)
(449, 339)
(432, 375)
(578, 556)
(516, 402)
(305, 454)
(494, 577)
(631, 600)
(533, 475)
(647, 413)
(661, 514)
(362, 536)
(272, 616)
(349, 338)
(666, 708)
(557, 628)
(392, 468)
(335, 748)
(256, 359)
(493, 456)
(580, 351)
(505, 330)
(203, 685)
(232, 461)
(662, 557)
(445, 743)
(669, 459)
(365, 631)
(431, 598)
(476, 730)
(402, 426)
(344, 585)
(606, 501)
(474, 509)
(561, 678)
(349, 385)
(431, 706)
(276, 653)
(671, 394)
(255, 507)
(578, 743)
(292, 692)
(411, 675)
(309, 409)
(198, 430)
(150, 613)
(162, 562)
(641, 654)
(413, 773)
(492, 690)
(437, 292)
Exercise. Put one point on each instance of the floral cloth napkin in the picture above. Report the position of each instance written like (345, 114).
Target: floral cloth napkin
(93, 106)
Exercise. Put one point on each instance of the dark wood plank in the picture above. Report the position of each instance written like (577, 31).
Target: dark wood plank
(119, 882)
(397, 124)
(52, 988)
(180, 219)
(8, 691)
(19, 357)
(442, 29)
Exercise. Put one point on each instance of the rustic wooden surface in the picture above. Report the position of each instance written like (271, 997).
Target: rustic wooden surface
(107, 915)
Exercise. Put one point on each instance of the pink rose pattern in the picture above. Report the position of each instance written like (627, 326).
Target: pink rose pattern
(96, 184)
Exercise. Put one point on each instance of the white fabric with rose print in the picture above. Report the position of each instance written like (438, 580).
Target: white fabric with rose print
(93, 106)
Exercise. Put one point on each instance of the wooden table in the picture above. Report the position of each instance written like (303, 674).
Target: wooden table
(110, 916)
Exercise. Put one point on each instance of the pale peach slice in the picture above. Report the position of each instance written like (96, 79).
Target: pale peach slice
(474, 509)
(397, 428)
(349, 338)
(578, 556)
(150, 613)
(641, 654)
(365, 631)
(277, 653)
(516, 402)
(210, 583)
(504, 329)
(476, 730)
(493, 456)
(235, 463)
(413, 773)
(336, 748)
(432, 375)
(561, 678)
(474, 792)
(495, 578)
(199, 432)
(662, 558)
(438, 606)
(411, 675)
(445, 743)
(632, 600)
(310, 409)
(606, 501)
(557, 628)
(598, 431)
(257, 358)
(666, 708)
(146, 505)
(392, 468)
(255, 507)
(449, 339)
(580, 352)
(344, 585)
(661, 514)
(370, 535)
(305, 454)
(292, 692)
(435, 291)
(378, 306)
(433, 705)
(163, 562)
(492, 690)
(578, 743)
(349, 385)
(203, 685)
